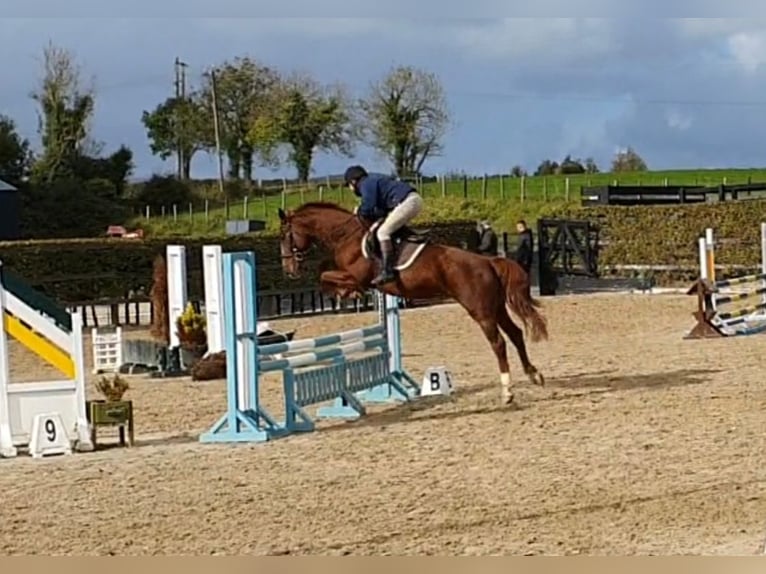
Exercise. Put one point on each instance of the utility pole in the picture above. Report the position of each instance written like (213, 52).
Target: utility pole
(180, 86)
(216, 127)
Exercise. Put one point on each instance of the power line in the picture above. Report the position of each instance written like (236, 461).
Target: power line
(184, 70)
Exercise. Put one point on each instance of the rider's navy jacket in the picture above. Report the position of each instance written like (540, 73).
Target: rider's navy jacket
(380, 194)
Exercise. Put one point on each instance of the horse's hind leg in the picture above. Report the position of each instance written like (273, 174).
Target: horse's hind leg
(516, 335)
(496, 341)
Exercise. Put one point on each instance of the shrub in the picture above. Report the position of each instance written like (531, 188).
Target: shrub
(162, 191)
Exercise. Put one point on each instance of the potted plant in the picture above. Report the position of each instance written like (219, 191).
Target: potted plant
(112, 410)
(192, 334)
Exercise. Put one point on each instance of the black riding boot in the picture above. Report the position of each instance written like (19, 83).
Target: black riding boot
(387, 273)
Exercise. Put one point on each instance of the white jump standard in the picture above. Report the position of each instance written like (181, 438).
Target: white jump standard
(316, 370)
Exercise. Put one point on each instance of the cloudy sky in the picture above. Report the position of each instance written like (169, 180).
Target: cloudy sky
(683, 92)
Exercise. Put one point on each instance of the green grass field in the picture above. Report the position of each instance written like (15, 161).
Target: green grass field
(501, 200)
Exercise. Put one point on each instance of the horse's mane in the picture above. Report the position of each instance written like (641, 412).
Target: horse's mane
(308, 206)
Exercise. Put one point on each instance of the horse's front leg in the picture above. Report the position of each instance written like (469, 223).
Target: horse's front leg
(341, 284)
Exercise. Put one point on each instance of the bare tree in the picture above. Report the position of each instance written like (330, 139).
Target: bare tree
(407, 117)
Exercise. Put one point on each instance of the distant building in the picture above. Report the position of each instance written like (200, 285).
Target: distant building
(10, 212)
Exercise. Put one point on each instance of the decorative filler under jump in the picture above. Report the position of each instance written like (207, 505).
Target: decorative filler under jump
(313, 370)
(713, 315)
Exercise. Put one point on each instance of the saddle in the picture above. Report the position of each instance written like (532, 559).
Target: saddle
(407, 244)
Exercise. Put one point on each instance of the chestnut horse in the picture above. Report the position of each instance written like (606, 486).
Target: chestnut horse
(482, 285)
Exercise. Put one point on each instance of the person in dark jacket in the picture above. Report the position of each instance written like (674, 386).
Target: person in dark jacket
(384, 197)
(487, 239)
(526, 248)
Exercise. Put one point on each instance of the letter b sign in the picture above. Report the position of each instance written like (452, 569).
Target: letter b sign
(436, 381)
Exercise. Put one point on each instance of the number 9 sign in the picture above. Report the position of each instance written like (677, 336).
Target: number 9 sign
(49, 436)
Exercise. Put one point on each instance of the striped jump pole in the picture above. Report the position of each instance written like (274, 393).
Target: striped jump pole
(350, 367)
(712, 295)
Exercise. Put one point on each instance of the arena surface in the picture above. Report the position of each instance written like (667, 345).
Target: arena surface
(641, 443)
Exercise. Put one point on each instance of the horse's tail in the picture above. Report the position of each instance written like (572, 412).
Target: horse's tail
(516, 283)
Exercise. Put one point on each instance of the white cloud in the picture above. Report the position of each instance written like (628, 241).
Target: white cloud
(678, 120)
(314, 27)
(707, 28)
(552, 39)
(748, 50)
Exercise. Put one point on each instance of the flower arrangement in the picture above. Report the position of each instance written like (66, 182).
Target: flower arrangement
(191, 328)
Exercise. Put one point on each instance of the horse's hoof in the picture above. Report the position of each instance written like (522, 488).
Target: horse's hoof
(536, 378)
(507, 399)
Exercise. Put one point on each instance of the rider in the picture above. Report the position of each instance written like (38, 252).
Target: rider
(384, 197)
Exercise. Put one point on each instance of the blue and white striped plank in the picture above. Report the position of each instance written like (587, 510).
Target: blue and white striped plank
(308, 359)
(318, 342)
(754, 330)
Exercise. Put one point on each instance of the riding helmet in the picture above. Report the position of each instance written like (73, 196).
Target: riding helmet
(354, 172)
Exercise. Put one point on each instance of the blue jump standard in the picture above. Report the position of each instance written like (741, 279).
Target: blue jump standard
(318, 370)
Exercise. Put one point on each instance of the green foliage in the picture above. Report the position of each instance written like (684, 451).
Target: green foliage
(628, 161)
(191, 327)
(70, 208)
(15, 155)
(115, 169)
(65, 109)
(547, 167)
(180, 123)
(308, 118)
(100, 269)
(244, 90)
(407, 117)
(667, 235)
(162, 191)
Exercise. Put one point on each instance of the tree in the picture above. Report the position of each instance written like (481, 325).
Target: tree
(15, 156)
(184, 124)
(547, 167)
(308, 117)
(65, 111)
(407, 117)
(569, 166)
(628, 160)
(518, 171)
(115, 168)
(590, 166)
(244, 91)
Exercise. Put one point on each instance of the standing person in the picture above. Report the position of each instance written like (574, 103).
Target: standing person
(384, 197)
(526, 250)
(487, 239)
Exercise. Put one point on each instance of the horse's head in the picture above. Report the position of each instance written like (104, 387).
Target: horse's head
(293, 244)
(329, 224)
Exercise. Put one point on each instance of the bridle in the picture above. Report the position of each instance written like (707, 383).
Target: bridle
(291, 251)
(339, 236)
